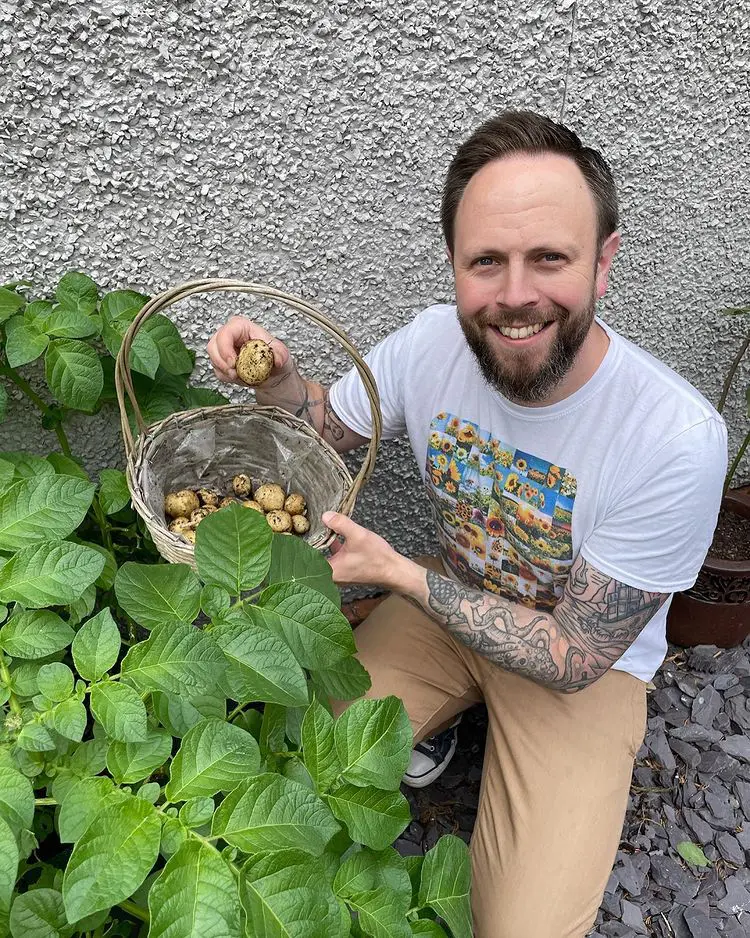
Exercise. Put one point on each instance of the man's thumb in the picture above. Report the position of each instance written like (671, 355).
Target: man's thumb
(337, 522)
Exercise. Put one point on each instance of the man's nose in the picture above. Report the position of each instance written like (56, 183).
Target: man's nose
(517, 287)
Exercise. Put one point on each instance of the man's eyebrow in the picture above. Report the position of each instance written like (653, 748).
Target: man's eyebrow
(568, 250)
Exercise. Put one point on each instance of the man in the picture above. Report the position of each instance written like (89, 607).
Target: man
(575, 483)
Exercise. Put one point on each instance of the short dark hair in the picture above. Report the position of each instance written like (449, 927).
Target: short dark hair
(526, 132)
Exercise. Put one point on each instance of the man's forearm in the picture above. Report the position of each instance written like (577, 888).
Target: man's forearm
(594, 623)
(309, 400)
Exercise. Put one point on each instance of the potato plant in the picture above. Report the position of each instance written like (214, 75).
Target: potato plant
(169, 765)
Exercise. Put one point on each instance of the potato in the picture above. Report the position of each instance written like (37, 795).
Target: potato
(270, 496)
(229, 500)
(249, 503)
(200, 513)
(181, 504)
(242, 486)
(254, 362)
(295, 504)
(189, 535)
(208, 497)
(179, 525)
(280, 521)
(300, 524)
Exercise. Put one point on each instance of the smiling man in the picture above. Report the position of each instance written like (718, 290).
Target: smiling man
(575, 483)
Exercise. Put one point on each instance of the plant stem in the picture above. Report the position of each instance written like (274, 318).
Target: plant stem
(27, 389)
(735, 462)
(135, 910)
(15, 706)
(730, 374)
(41, 801)
(101, 520)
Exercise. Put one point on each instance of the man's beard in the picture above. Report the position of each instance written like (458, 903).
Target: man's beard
(513, 378)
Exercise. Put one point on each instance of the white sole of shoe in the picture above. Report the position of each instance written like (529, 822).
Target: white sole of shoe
(428, 778)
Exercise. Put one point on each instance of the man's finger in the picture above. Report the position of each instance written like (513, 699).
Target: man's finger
(339, 523)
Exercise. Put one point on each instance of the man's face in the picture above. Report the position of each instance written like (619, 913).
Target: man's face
(528, 272)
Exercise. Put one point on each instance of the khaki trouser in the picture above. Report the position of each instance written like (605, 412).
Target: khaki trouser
(557, 770)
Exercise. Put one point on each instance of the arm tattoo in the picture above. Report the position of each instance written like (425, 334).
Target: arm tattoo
(594, 623)
(303, 409)
(332, 426)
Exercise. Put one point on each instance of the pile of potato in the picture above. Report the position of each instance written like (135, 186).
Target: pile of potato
(285, 514)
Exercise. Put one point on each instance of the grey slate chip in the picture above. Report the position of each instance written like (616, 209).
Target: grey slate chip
(730, 849)
(668, 872)
(737, 898)
(737, 746)
(724, 681)
(706, 706)
(703, 831)
(632, 916)
(696, 733)
(657, 743)
(689, 754)
(700, 925)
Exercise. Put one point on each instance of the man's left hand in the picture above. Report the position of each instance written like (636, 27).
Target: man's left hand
(363, 557)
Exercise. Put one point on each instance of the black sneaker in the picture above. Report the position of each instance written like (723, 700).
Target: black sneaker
(431, 757)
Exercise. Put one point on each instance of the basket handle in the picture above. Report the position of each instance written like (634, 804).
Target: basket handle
(124, 379)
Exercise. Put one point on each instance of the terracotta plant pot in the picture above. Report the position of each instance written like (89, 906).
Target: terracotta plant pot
(716, 611)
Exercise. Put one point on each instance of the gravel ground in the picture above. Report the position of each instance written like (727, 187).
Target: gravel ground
(691, 782)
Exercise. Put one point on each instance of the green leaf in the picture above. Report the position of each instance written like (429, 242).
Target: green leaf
(119, 710)
(24, 341)
(10, 303)
(49, 574)
(3, 402)
(174, 357)
(195, 896)
(55, 681)
(446, 884)
(114, 494)
(372, 817)
(176, 659)
(106, 578)
(39, 913)
(233, 549)
(149, 791)
(178, 713)
(35, 738)
(317, 632)
(78, 292)
(262, 666)
(16, 799)
(8, 872)
(74, 373)
(122, 304)
(203, 397)
(154, 594)
(318, 746)
(90, 757)
(270, 812)
(64, 466)
(38, 310)
(197, 811)
(7, 471)
(36, 510)
(273, 730)
(96, 646)
(132, 762)
(214, 601)
(35, 634)
(374, 742)
(347, 681)
(377, 887)
(69, 719)
(28, 466)
(112, 858)
(84, 605)
(214, 756)
(144, 355)
(692, 853)
(66, 323)
(82, 801)
(285, 894)
(425, 926)
(294, 561)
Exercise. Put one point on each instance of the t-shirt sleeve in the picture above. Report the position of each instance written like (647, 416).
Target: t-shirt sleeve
(658, 531)
(389, 363)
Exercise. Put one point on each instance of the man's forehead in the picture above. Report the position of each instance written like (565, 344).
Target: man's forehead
(529, 183)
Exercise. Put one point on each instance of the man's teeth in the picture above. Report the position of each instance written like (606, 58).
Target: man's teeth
(523, 333)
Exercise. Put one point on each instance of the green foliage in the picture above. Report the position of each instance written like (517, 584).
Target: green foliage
(169, 766)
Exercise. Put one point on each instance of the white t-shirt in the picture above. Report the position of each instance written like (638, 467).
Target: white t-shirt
(627, 471)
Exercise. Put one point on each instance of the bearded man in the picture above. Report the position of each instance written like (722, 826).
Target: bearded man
(575, 482)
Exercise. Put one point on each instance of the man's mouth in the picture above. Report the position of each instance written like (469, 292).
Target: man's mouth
(521, 332)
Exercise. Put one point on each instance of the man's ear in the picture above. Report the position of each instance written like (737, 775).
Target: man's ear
(604, 262)
(449, 255)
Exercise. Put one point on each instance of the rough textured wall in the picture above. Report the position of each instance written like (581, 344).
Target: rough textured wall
(303, 145)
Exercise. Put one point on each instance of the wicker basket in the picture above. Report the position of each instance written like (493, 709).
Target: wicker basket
(209, 445)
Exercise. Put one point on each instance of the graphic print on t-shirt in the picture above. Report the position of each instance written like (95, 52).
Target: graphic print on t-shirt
(503, 516)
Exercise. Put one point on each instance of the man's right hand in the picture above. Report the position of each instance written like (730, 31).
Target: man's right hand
(225, 343)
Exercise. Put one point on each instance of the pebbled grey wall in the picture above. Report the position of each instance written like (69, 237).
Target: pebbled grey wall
(304, 144)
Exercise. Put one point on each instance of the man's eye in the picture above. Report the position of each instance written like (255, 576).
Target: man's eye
(551, 258)
(484, 261)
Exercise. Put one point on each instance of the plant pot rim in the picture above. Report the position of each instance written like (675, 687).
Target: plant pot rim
(737, 501)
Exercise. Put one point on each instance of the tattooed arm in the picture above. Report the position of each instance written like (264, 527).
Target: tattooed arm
(594, 623)
(310, 401)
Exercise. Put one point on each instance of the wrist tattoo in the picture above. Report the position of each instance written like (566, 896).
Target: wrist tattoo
(332, 426)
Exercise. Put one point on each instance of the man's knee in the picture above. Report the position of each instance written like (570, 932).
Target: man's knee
(521, 915)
